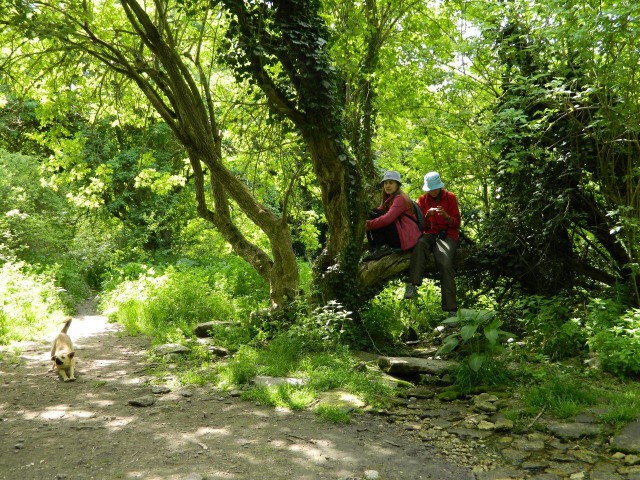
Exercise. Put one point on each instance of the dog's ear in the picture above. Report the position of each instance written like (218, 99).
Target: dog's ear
(72, 354)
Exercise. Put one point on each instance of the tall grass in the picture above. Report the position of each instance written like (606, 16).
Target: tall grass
(166, 304)
(32, 306)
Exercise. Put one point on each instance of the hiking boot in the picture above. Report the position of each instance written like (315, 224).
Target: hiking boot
(410, 291)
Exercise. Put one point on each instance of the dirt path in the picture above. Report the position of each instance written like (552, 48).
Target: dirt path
(88, 430)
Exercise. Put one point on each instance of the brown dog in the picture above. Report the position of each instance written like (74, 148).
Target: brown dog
(62, 354)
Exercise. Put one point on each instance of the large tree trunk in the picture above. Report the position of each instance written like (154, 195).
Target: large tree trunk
(317, 111)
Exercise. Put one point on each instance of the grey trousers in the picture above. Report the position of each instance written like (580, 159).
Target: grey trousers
(443, 253)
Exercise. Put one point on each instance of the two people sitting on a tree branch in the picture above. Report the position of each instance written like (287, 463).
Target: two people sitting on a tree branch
(440, 238)
(393, 225)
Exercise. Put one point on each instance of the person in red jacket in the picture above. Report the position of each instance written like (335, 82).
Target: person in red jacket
(442, 223)
(392, 226)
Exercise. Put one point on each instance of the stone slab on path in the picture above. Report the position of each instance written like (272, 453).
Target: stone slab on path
(628, 440)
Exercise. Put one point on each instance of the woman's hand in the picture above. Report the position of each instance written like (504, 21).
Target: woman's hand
(441, 211)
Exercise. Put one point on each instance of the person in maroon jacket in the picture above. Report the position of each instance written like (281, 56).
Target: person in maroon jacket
(442, 222)
(392, 226)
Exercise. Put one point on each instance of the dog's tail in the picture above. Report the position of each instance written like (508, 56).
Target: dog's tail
(67, 322)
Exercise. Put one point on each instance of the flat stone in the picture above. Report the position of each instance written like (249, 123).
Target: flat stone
(485, 397)
(503, 423)
(218, 351)
(529, 445)
(583, 456)
(604, 471)
(145, 401)
(484, 425)
(564, 469)
(169, 348)
(573, 431)
(515, 457)
(635, 470)
(628, 440)
(484, 406)
(159, 390)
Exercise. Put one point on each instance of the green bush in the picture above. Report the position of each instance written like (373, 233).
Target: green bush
(618, 346)
(479, 342)
(321, 328)
(549, 326)
(167, 303)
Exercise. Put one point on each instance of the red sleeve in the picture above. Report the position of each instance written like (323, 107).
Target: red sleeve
(453, 210)
(396, 209)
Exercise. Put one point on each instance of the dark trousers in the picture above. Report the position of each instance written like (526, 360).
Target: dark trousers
(383, 236)
(443, 252)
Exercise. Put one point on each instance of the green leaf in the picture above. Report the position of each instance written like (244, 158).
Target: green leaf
(475, 361)
(468, 331)
(448, 345)
(492, 335)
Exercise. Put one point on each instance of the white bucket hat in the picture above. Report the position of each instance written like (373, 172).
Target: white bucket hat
(432, 182)
(391, 175)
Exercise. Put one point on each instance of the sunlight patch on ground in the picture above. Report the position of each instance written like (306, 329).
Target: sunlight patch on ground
(219, 432)
(48, 415)
(117, 423)
(91, 325)
(59, 412)
(194, 438)
(133, 381)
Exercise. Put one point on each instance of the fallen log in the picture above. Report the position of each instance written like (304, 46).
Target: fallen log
(412, 367)
(391, 266)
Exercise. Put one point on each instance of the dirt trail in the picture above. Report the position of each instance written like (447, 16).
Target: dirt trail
(87, 429)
